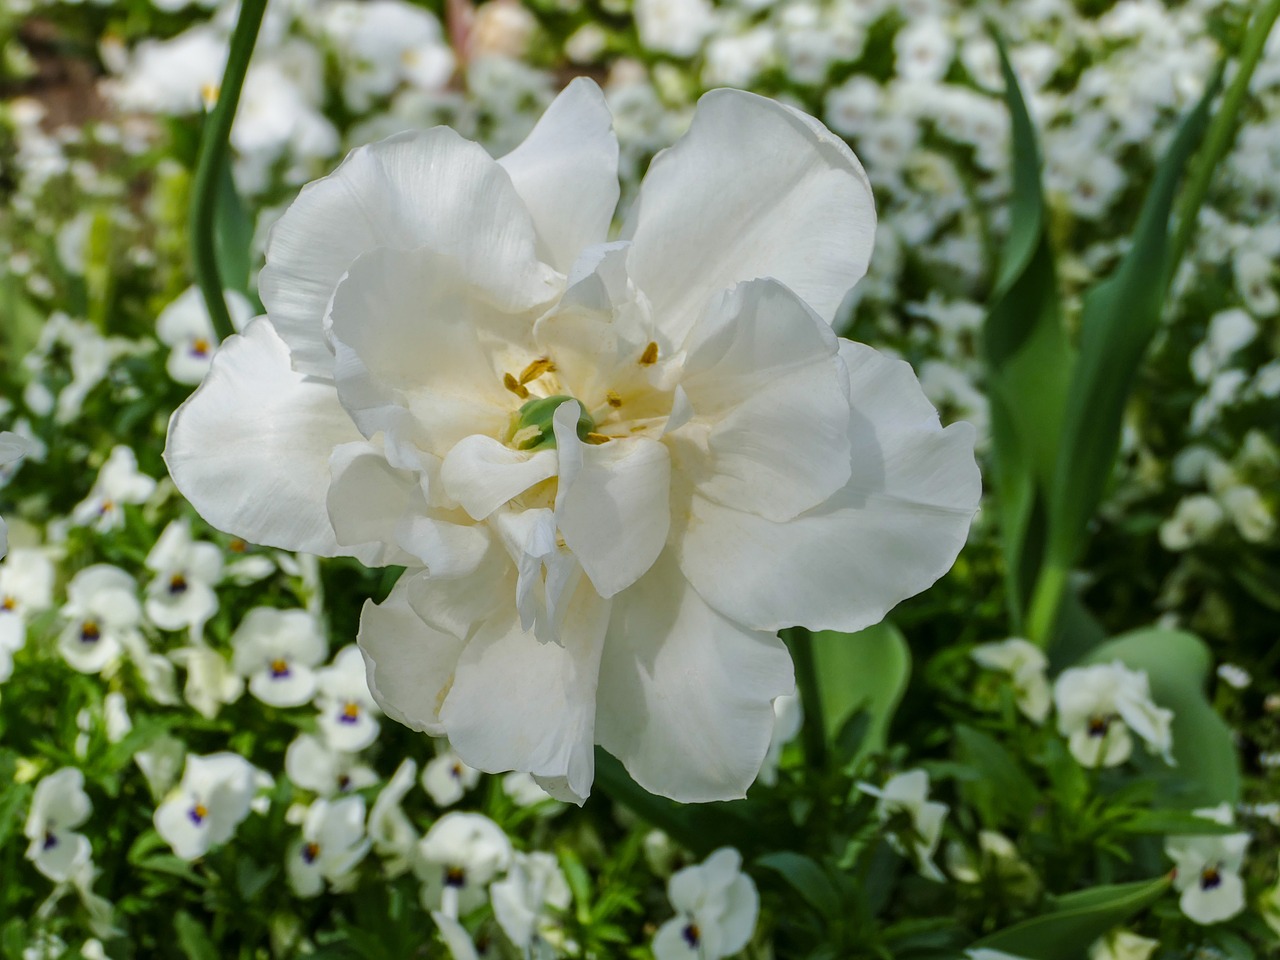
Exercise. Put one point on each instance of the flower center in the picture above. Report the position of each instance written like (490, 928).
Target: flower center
(455, 877)
(692, 935)
(200, 347)
(8, 604)
(1210, 877)
(197, 813)
(1099, 724)
(310, 851)
(177, 584)
(350, 712)
(50, 840)
(279, 669)
(90, 632)
(532, 428)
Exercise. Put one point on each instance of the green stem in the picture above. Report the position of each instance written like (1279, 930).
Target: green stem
(209, 166)
(814, 732)
(1045, 603)
(1222, 131)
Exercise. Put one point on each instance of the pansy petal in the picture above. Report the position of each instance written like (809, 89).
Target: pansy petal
(893, 530)
(566, 172)
(686, 694)
(409, 664)
(250, 448)
(421, 188)
(752, 190)
(518, 704)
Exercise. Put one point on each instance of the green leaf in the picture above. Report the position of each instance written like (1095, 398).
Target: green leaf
(1028, 360)
(233, 235)
(1075, 921)
(1002, 791)
(1165, 822)
(1119, 318)
(867, 670)
(806, 876)
(11, 805)
(193, 939)
(1178, 665)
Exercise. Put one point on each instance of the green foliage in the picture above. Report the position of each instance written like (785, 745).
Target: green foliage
(864, 672)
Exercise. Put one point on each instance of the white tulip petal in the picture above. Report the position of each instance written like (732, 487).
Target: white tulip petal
(410, 666)
(752, 190)
(482, 474)
(250, 448)
(686, 695)
(893, 530)
(421, 188)
(407, 326)
(566, 172)
(616, 513)
(367, 500)
(520, 704)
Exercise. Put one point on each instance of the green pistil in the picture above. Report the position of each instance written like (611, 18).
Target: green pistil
(532, 428)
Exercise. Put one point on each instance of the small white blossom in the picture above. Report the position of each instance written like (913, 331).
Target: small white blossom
(523, 789)
(1025, 663)
(446, 778)
(119, 482)
(211, 683)
(521, 899)
(102, 613)
(185, 328)
(390, 830)
(1122, 944)
(458, 858)
(716, 908)
(1098, 708)
(909, 793)
(332, 845)
(788, 718)
(58, 806)
(348, 714)
(1207, 870)
(12, 449)
(276, 651)
(213, 799)
(1194, 520)
(311, 763)
(677, 27)
(26, 588)
(181, 593)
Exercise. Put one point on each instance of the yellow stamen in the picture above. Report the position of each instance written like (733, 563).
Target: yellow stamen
(597, 438)
(612, 399)
(536, 369)
(650, 355)
(8, 603)
(515, 386)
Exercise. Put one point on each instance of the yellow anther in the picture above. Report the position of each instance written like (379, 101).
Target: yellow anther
(515, 386)
(650, 355)
(200, 347)
(613, 399)
(209, 93)
(89, 631)
(597, 438)
(8, 603)
(536, 369)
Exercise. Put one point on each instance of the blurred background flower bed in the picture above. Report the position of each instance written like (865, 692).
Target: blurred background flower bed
(160, 796)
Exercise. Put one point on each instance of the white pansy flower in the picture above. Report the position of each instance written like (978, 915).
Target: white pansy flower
(115, 716)
(119, 482)
(58, 806)
(998, 858)
(181, 593)
(1122, 944)
(213, 799)
(1025, 663)
(1207, 870)
(521, 899)
(1098, 708)
(677, 27)
(332, 845)
(185, 328)
(788, 718)
(161, 763)
(314, 765)
(593, 456)
(1229, 332)
(446, 778)
(102, 612)
(276, 651)
(1194, 520)
(908, 793)
(390, 829)
(348, 713)
(174, 76)
(523, 789)
(12, 449)
(26, 588)
(211, 683)
(459, 856)
(716, 908)
(1249, 512)
(383, 43)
